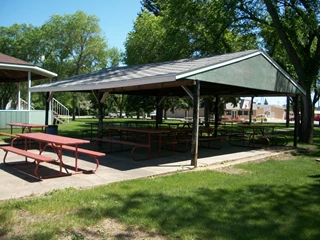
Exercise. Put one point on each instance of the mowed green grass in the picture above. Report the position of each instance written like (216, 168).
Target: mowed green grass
(275, 199)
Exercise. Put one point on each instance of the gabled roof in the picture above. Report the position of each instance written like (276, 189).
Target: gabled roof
(242, 73)
(16, 70)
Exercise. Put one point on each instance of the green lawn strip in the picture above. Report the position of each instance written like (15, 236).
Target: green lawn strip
(270, 200)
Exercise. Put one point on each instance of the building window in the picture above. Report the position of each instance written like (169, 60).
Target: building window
(239, 113)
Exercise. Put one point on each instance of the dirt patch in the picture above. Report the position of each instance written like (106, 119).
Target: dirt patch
(107, 229)
(231, 170)
(228, 166)
(112, 229)
(282, 157)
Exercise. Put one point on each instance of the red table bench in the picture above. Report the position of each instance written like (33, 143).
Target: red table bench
(37, 157)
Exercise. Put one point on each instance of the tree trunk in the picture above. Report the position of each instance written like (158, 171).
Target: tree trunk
(307, 115)
(165, 114)
(288, 112)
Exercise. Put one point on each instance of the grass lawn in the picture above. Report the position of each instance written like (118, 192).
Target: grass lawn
(274, 199)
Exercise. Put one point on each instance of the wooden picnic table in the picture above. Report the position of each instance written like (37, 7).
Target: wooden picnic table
(257, 129)
(252, 132)
(94, 127)
(178, 125)
(140, 123)
(205, 138)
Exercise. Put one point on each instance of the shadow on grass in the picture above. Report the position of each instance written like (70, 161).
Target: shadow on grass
(255, 212)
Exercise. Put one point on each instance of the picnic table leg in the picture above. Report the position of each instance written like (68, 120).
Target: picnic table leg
(149, 143)
(159, 147)
(58, 150)
(91, 132)
(25, 148)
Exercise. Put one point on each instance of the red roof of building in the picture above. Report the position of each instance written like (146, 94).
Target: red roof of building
(12, 60)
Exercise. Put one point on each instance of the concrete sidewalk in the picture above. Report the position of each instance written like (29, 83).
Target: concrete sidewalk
(18, 181)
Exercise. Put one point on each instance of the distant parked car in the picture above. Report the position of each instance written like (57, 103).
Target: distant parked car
(316, 118)
(260, 118)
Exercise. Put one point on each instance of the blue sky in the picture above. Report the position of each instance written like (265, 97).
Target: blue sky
(116, 16)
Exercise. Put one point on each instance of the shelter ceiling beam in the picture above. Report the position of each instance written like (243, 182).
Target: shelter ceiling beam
(100, 98)
(6, 74)
(188, 91)
(50, 96)
(161, 100)
(95, 95)
(104, 96)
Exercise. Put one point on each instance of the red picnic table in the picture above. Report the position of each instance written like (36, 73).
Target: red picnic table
(27, 126)
(138, 137)
(58, 144)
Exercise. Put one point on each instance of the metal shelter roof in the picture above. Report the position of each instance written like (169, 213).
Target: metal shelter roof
(16, 70)
(247, 73)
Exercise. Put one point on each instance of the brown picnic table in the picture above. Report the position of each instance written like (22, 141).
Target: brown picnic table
(254, 132)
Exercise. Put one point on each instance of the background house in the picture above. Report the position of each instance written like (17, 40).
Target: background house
(271, 111)
(241, 110)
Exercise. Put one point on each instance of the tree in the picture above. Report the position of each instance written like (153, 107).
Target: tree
(169, 104)
(20, 41)
(169, 30)
(114, 57)
(119, 101)
(77, 42)
(150, 42)
(67, 45)
(200, 28)
(6, 91)
(140, 104)
(296, 25)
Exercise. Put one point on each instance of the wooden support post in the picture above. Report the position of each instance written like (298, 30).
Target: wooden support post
(206, 112)
(296, 120)
(46, 120)
(100, 97)
(195, 125)
(101, 117)
(159, 112)
(251, 111)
